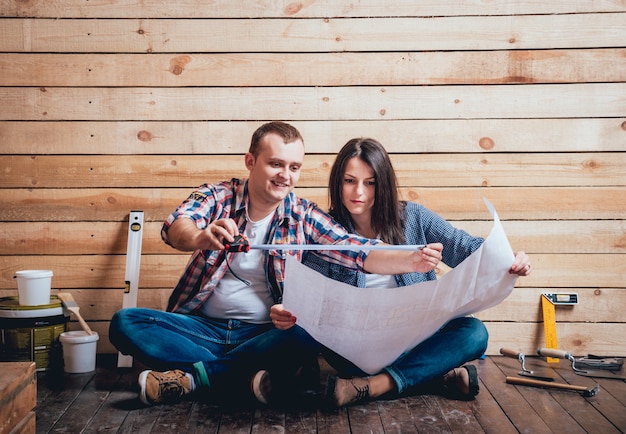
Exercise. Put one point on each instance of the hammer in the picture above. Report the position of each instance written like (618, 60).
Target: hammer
(585, 391)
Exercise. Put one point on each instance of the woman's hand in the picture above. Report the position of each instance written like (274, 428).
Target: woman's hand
(430, 257)
(281, 318)
(521, 265)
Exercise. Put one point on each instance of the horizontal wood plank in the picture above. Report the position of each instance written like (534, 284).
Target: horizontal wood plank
(540, 203)
(580, 338)
(233, 137)
(313, 69)
(163, 271)
(104, 238)
(595, 305)
(514, 32)
(315, 103)
(412, 170)
(279, 8)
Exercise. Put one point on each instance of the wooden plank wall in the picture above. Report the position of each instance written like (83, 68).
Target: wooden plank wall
(117, 105)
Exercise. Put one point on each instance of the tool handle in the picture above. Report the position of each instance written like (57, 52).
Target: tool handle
(239, 244)
(540, 383)
(510, 353)
(83, 324)
(551, 352)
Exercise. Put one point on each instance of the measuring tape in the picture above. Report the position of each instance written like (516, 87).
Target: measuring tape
(240, 244)
(549, 326)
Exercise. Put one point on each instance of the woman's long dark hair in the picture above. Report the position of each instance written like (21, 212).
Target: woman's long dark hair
(387, 215)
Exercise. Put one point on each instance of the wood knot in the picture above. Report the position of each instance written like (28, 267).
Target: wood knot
(590, 164)
(486, 143)
(178, 63)
(293, 8)
(144, 136)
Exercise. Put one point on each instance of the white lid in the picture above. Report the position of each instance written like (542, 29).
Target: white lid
(78, 337)
(33, 274)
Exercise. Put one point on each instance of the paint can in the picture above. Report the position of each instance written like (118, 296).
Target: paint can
(79, 351)
(31, 333)
(33, 287)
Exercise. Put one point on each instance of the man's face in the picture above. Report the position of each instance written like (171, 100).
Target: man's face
(276, 169)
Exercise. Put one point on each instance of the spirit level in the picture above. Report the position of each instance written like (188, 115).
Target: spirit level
(133, 261)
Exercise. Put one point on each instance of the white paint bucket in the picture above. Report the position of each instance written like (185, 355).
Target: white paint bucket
(33, 287)
(79, 351)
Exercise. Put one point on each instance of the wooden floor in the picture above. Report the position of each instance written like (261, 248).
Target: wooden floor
(106, 401)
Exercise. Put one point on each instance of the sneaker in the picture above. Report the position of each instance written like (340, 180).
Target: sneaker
(163, 387)
(261, 386)
(341, 392)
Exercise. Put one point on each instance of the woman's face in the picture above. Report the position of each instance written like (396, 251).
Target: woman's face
(359, 188)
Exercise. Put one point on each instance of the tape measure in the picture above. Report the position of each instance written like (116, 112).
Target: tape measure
(549, 326)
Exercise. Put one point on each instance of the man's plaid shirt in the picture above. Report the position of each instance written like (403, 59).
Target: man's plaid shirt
(296, 221)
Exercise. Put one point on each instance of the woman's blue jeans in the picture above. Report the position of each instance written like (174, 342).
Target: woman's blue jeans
(222, 354)
(457, 342)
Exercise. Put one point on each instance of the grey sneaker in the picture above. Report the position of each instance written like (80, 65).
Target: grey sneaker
(341, 392)
(163, 387)
(261, 386)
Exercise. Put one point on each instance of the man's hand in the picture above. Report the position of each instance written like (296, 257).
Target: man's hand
(185, 235)
(282, 319)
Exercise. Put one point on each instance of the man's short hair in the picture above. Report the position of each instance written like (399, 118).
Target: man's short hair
(288, 133)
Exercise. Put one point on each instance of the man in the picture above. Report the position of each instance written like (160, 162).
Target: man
(217, 334)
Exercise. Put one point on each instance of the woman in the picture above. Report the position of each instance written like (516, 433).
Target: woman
(364, 198)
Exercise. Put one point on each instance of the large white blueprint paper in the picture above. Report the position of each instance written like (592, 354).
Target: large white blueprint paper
(372, 327)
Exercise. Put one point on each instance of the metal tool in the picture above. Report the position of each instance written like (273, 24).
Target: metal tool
(600, 362)
(549, 352)
(525, 372)
(548, 303)
(585, 391)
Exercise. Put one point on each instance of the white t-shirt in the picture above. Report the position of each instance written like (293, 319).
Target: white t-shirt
(232, 298)
(380, 281)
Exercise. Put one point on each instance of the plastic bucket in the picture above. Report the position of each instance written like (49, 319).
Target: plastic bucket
(31, 333)
(79, 351)
(33, 287)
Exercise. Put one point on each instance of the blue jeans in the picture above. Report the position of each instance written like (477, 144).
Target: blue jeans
(457, 342)
(221, 354)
